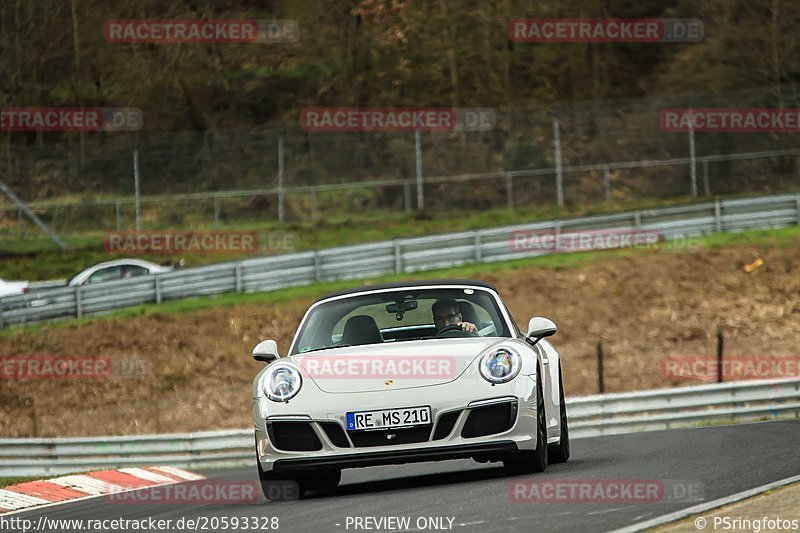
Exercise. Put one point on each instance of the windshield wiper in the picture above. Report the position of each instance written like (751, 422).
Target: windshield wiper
(325, 348)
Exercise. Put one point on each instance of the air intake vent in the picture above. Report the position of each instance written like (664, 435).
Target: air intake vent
(445, 425)
(293, 436)
(490, 420)
(336, 434)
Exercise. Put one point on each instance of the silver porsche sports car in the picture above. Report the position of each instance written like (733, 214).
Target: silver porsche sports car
(406, 372)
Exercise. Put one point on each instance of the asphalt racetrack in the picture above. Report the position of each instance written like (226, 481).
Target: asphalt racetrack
(694, 465)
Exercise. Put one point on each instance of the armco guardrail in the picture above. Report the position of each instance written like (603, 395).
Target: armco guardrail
(387, 257)
(590, 416)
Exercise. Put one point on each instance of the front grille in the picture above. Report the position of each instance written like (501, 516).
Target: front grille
(445, 425)
(490, 420)
(336, 434)
(399, 436)
(293, 436)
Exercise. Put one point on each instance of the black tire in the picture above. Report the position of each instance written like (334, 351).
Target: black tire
(559, 453)
(536, 461)
(281, 486)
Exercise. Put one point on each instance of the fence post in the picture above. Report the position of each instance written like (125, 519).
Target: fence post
(797, 201)
(420, 185)
(706, 183)
(216, 211)
(509, 191)
(156, 410)
(559, 171)
(719, 357)
(478, 253)
(78, 303)
(692, 159)
(558, 235)
(157, 287)
(118, 214)
(601, 387)
(407, 196)
(281, 192)
(137, 199)
(313, 204)
(607, 183)
(718, 215)
(398, 257)
(317, 266)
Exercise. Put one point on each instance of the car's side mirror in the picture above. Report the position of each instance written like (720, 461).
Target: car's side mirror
(266, 351)
(539, 328)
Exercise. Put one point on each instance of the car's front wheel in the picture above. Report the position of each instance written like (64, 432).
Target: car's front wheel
(536, 461)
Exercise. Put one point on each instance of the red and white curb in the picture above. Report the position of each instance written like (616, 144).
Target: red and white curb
(14, 498)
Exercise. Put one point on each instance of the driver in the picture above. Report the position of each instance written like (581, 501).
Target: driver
(446, 313)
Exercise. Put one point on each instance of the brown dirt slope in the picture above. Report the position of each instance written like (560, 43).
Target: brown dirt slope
(194, 369)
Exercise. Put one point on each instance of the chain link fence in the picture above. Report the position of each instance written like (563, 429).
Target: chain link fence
(573, 155)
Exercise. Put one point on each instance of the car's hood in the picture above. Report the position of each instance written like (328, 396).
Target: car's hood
(392, 366)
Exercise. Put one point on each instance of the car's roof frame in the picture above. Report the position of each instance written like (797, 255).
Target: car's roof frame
(407, 284)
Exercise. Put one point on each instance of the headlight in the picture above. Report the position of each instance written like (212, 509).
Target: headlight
(500, 366)
(281, 383)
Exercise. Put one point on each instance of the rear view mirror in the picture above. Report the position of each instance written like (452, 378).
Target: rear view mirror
(408, 305)
(539, 328)
(266, 351)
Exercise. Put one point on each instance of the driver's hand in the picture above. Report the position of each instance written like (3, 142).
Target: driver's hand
(468, 326)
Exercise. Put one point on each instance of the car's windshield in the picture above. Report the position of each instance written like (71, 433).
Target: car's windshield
(399, 315)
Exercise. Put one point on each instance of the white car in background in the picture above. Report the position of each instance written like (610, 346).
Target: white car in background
(11, 288)
(116, 270)
(36, 293)
(371, 378)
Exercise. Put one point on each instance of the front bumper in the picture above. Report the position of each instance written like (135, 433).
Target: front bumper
(464, 425)
(393, 457)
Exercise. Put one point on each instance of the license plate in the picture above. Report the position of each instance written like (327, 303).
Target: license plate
(389, 418)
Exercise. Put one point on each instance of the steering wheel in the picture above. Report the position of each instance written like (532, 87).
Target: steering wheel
(454, 331)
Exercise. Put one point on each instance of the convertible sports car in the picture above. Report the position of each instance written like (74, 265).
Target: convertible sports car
(407, 372)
